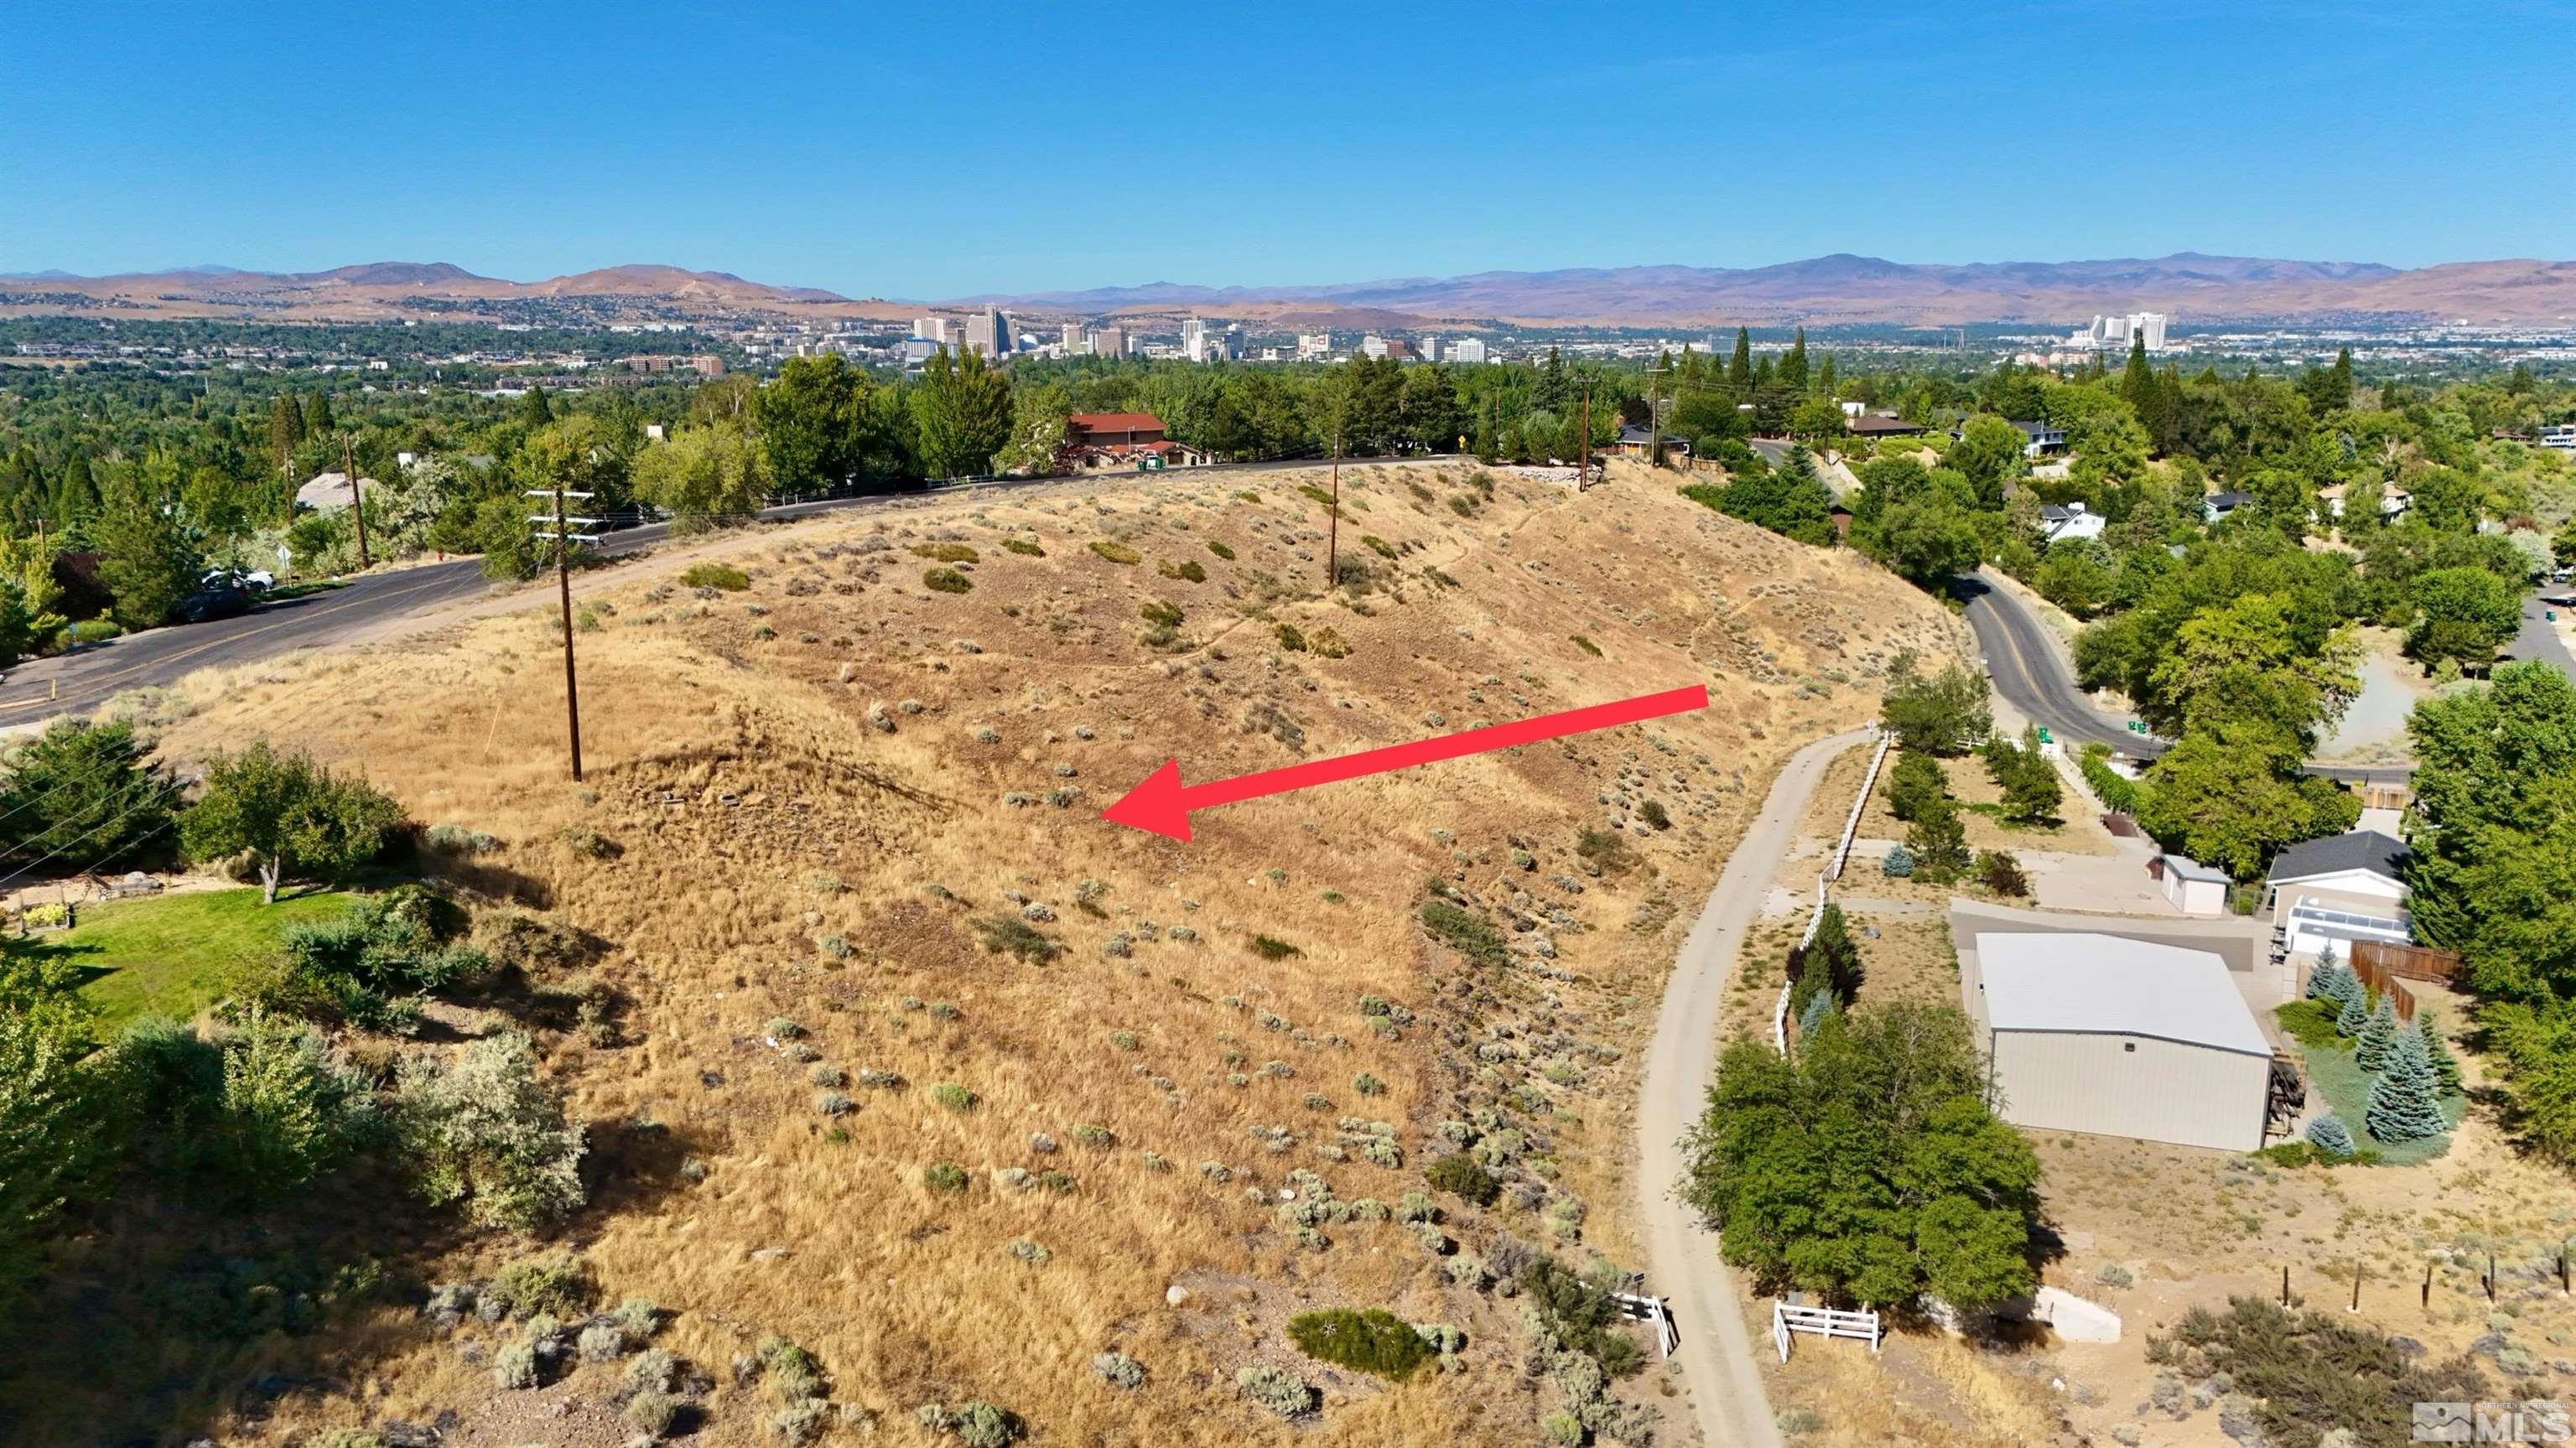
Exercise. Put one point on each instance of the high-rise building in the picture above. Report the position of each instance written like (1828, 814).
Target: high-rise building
(934, 329)
(1073, 339)
(2114, 333)
(1373, 345)
(1109, 342)
(989, 332)
(1194, 340)
(1467, 351)
(1430, 349)
(1312, 346)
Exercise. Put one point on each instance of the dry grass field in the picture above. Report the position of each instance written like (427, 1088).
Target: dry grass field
(824, 811)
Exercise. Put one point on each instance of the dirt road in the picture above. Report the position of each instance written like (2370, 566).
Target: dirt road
(1682, 1263)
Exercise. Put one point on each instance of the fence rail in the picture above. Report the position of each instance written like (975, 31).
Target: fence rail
(1788, 1320)
(2409, 962)
(2380, 982)
(1639, 1307)
(1825, 877)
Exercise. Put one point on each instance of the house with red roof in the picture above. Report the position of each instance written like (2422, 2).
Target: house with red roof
(1097, 441)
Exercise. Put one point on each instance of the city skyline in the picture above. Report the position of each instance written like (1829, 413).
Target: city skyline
(842, 153)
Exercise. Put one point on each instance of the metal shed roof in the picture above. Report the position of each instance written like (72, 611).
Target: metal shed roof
(2111, 985)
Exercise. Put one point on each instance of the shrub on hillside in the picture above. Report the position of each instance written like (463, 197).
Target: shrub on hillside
(293, 817)
(1270, 947)
(1009, 934)
(1462, 1176)
(1279, 1389)
(946, 552)
(2310, 1374)
(1465, 932)
(1372, 1341)
(716, 575)
(1118, 1370)
(482, 1129)
(1116, 552)
(946, 580)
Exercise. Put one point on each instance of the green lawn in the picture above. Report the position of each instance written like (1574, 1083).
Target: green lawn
(167, 954)
(2346, 1087)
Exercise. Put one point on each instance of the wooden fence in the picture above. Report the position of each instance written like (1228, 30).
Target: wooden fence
(2382, 983)
(1822, 1322)
(2408, 962)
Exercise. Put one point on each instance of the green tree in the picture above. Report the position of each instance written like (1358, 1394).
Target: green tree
(2493, 863)
(318, 421)
(485, 1131)
(1938, 842)
(2464, 615)
(1739, 365)
(2232, 801)
(817, 424)
(1792, 371)
(1989, 454)
(52, 1118)
(2077, 575)
(2437, 1053)
(1928, 541)
(705, 476)
(534, 409)
(149, 557)
(1943, 714)
(2378, 1039)
(962, 413)
(2405, 1102)
(86, 795)
(1867, 1167)
(1916, 780)
(287, 1114)
(294, 817)
(2032, 790)
(1829, 964)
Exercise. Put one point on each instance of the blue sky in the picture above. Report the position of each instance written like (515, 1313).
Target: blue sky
(931, 150)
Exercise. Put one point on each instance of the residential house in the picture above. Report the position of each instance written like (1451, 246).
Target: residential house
(1873, 425)
(2217, 507)
(2392, 500)
(2070, 520)
(328, 492)
(1094, 441)
(1635, 442)
(2040, 439)
(2338, 890)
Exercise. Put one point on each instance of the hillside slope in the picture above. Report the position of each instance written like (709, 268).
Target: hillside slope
(818, 800)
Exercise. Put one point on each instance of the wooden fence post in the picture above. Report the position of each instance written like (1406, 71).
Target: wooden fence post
(2285, 1284)
(2428, 1287)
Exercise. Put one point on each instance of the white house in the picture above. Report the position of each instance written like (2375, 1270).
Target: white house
(2071, 520)
(2218, 506)
(2192, 887)
(328, 491)
(2119, 1037)
(2340, 889)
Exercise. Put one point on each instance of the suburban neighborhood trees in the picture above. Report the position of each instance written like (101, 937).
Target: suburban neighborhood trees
(1944, 713)
(961, 413)
(1867, 1166)
(294, 817)
(86, 795)
(703, 476)
(2463, 615)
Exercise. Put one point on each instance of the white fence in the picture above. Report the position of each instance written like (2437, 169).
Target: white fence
(1641, 1308)
(1820, 1322)
(1832, 871)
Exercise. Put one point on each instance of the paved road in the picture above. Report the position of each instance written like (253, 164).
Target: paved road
(2539, 639)
(1682, 1263)
(44, 688)
(2031, 672)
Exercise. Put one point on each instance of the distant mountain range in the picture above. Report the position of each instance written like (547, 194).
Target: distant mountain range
(1820, 291)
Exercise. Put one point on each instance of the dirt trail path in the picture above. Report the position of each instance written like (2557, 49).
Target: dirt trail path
(1682, 1263)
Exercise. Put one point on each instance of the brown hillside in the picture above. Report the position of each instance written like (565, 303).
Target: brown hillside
(810, 798)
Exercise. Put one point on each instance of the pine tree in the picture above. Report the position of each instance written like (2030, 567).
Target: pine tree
(534, 410)
(285, 426)
(2378, 1038)
(318, 421)
(2404, 1101)
(1825, 377)
(1939, 842)
(2353, 1017)
(1739, 367)
(2329, 1135)
(1899, 862)
(2437, 1051)
(1792, 372)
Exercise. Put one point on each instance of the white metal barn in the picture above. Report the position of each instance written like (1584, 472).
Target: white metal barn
(2119, 1037)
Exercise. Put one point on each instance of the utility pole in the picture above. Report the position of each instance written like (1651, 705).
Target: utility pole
(349, 461)
(1583, 454)
(564, 538)
(1654, 418)
(1333, 529)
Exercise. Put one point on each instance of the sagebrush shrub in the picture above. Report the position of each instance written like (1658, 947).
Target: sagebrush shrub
(1371, 1341)
(1118, 1370)
(515, 1366)
(1461, 1176)
(651, 1412)
(946, 1177)
(1279, 1389)
(953, 1096)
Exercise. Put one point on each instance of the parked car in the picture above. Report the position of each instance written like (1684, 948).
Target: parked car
(223, 600)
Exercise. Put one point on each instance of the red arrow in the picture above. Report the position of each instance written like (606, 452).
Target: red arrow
(1162, 804)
